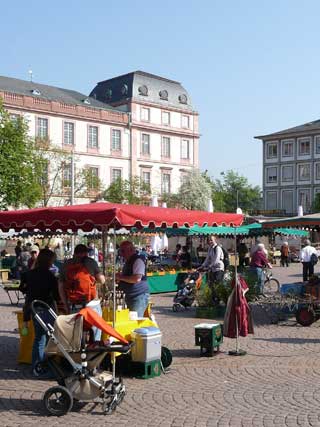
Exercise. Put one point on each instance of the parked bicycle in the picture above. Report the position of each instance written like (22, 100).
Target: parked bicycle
(271, 284)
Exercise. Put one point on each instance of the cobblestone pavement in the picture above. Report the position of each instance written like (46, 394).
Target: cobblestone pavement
(276, 384)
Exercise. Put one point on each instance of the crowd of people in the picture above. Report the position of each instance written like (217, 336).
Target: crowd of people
(75, 285)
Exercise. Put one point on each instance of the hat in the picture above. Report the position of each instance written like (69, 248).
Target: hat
(34, 248)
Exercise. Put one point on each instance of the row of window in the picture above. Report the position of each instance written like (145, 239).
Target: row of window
(145, 116)
(42, 131)
(288, 147)
(290, 200)
(165, 147)
(116, 173)
(303, 172)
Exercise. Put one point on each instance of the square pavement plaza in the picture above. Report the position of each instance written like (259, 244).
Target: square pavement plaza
(276, 384)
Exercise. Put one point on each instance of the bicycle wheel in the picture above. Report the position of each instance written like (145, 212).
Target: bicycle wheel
(271, 286)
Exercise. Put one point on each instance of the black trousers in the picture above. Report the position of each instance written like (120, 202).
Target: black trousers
(307, 270)
(214, 278)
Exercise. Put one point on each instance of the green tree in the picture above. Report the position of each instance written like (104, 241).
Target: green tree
(237, 190)
(132, 190)
(18, 178)
(316, 203)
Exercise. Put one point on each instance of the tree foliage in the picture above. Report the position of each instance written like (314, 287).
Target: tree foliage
(51, 162)
(195, 192)
(18, 177)
(232, 191)
(316, 203)
(132, 190)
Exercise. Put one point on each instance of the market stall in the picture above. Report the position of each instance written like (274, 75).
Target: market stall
(106, 216)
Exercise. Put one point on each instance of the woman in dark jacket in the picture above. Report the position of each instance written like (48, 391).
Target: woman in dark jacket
(39, 284)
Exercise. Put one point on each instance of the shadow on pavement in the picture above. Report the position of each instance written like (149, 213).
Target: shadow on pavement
(32, 407)
(186, 352)
(284, 340)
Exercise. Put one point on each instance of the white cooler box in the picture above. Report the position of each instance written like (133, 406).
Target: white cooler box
(147, 344)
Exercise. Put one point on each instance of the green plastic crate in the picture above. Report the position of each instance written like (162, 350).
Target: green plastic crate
(146, 370)
(209, 336)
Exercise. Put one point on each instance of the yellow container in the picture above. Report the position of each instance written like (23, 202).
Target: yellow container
(26, 342)
(125, 328)
(121, 315)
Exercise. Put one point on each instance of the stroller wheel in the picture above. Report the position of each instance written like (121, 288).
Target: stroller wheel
(121, 395)
(58, 400)
(166, 357)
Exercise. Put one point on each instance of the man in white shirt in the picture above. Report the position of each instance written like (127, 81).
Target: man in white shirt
(214, 265)
(305, 258)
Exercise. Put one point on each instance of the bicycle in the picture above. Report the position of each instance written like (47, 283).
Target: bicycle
(271, 285)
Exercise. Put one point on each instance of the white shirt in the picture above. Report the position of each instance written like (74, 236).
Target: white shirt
(139, 267)
(214, 260)
(306, 252)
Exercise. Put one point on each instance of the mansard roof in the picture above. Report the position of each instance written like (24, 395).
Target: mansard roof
(143, 87)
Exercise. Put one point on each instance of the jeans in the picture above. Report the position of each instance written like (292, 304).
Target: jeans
(96, 306)
(258, 271)
(138, 303)
(40, 340)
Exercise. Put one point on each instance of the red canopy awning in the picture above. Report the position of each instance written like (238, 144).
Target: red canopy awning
(102, 215)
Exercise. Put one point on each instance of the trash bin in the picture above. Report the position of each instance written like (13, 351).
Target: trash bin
(26, 342)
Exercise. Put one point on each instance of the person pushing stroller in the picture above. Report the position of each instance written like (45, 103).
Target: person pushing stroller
(214, 266)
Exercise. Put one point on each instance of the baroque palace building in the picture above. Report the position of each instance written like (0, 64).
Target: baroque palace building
(291, 168)
(137, 124)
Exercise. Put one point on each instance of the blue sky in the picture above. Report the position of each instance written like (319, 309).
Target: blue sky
(251, 67)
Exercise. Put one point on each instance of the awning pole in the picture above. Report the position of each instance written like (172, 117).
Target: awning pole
(237, 351)
(104, 270)
(114, 298)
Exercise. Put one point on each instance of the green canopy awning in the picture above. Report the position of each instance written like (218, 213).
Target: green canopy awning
(250, 230)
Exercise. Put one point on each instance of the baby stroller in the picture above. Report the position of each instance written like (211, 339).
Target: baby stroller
(185, 296)
(75, 363)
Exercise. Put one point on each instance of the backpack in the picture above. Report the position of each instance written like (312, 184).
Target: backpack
(314, 259)
(79, 284)
(226, 259)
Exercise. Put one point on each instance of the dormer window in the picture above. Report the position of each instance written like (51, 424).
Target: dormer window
(163, 95)
(183, 99)
(124, 90)
(87, 101)
(143, 90)
(108, 94)
(36, 92)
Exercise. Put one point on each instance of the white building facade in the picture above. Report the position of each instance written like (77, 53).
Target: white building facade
(291, 168)
(117, 131)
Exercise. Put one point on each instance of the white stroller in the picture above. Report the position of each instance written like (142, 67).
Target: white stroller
(75, 363)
